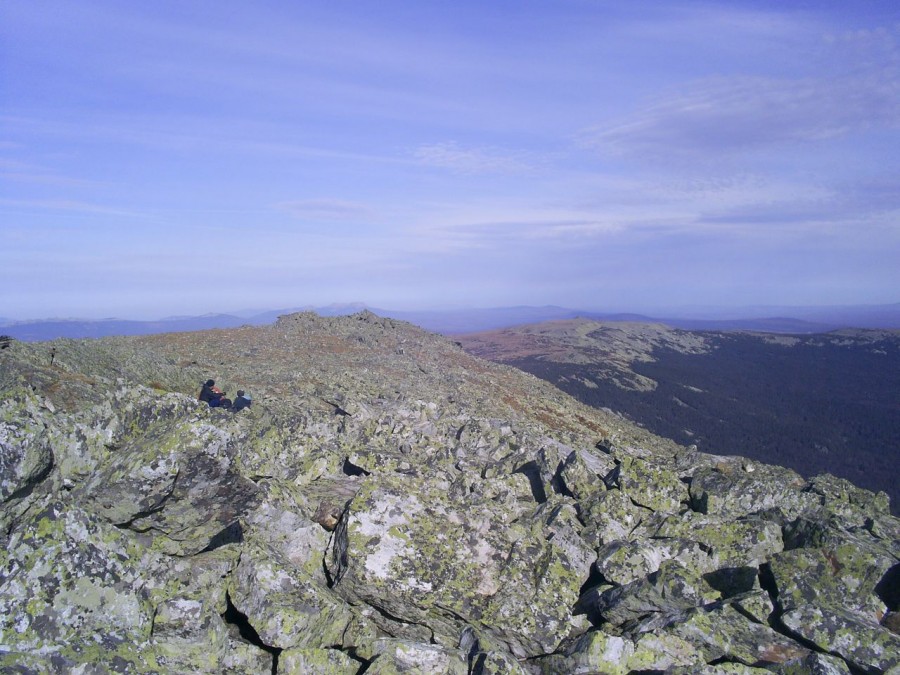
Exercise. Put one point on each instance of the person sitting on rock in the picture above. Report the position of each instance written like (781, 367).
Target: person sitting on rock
(212, 395)
(242, 401)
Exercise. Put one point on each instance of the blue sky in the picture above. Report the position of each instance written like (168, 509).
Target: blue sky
(161, 158)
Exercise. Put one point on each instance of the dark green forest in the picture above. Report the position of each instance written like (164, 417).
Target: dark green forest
(823, 405)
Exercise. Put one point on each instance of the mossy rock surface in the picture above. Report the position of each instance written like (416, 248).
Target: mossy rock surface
(391, 503)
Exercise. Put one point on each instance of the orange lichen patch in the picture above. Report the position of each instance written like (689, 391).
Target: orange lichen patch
(833, 561)
(592, 425)
(779, 653)
(64, 377)
(78, 377)
(512, 402)
(547, 418)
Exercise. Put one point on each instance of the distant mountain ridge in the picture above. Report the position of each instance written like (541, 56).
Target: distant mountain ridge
(50, 329)
(39, 331)
(801, 320)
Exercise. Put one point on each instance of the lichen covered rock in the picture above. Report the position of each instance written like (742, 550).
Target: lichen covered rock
(74, 587)
(862, 644)
(396, 657)
(390, 504)
(310, 661)
(288, 609)
(419, 553)
(25, 452)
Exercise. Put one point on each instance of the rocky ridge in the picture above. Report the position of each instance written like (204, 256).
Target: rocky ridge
(612, 346)
(391, 504)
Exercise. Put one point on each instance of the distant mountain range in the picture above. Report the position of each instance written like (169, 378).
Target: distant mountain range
(796, 320)
(51, 329)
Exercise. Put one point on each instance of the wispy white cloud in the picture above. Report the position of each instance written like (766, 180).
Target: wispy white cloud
(17, 166)
(27, 172)
(451, 155)
(189, 133)
(729, 115)
(325, 209)
(43, 178)
(846, 83)
(756, 209)
(69, 206)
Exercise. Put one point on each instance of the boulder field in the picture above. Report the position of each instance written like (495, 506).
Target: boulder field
(390, 504)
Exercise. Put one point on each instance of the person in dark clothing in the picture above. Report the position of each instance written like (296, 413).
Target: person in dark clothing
(211, 394)
(206, 391)
(242, 401)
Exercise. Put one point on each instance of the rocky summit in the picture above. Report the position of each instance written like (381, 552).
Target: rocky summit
(392, 504)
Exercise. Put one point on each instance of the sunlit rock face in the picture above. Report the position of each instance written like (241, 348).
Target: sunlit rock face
(391, 504)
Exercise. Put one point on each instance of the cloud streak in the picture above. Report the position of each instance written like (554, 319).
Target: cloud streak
(470, 160)
(69, 206)
(734, 115)
(325, 209)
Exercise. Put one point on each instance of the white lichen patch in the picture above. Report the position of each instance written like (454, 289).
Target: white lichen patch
(414, 584)
(380, 558)
(386, 512)
(163, 467)
(76, 528)
(122, 609)
(273, 578)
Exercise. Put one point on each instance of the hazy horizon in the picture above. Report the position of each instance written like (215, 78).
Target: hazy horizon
(698, 312)
(182, 159)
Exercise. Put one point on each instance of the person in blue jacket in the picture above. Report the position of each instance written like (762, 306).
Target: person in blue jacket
(242, 401)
